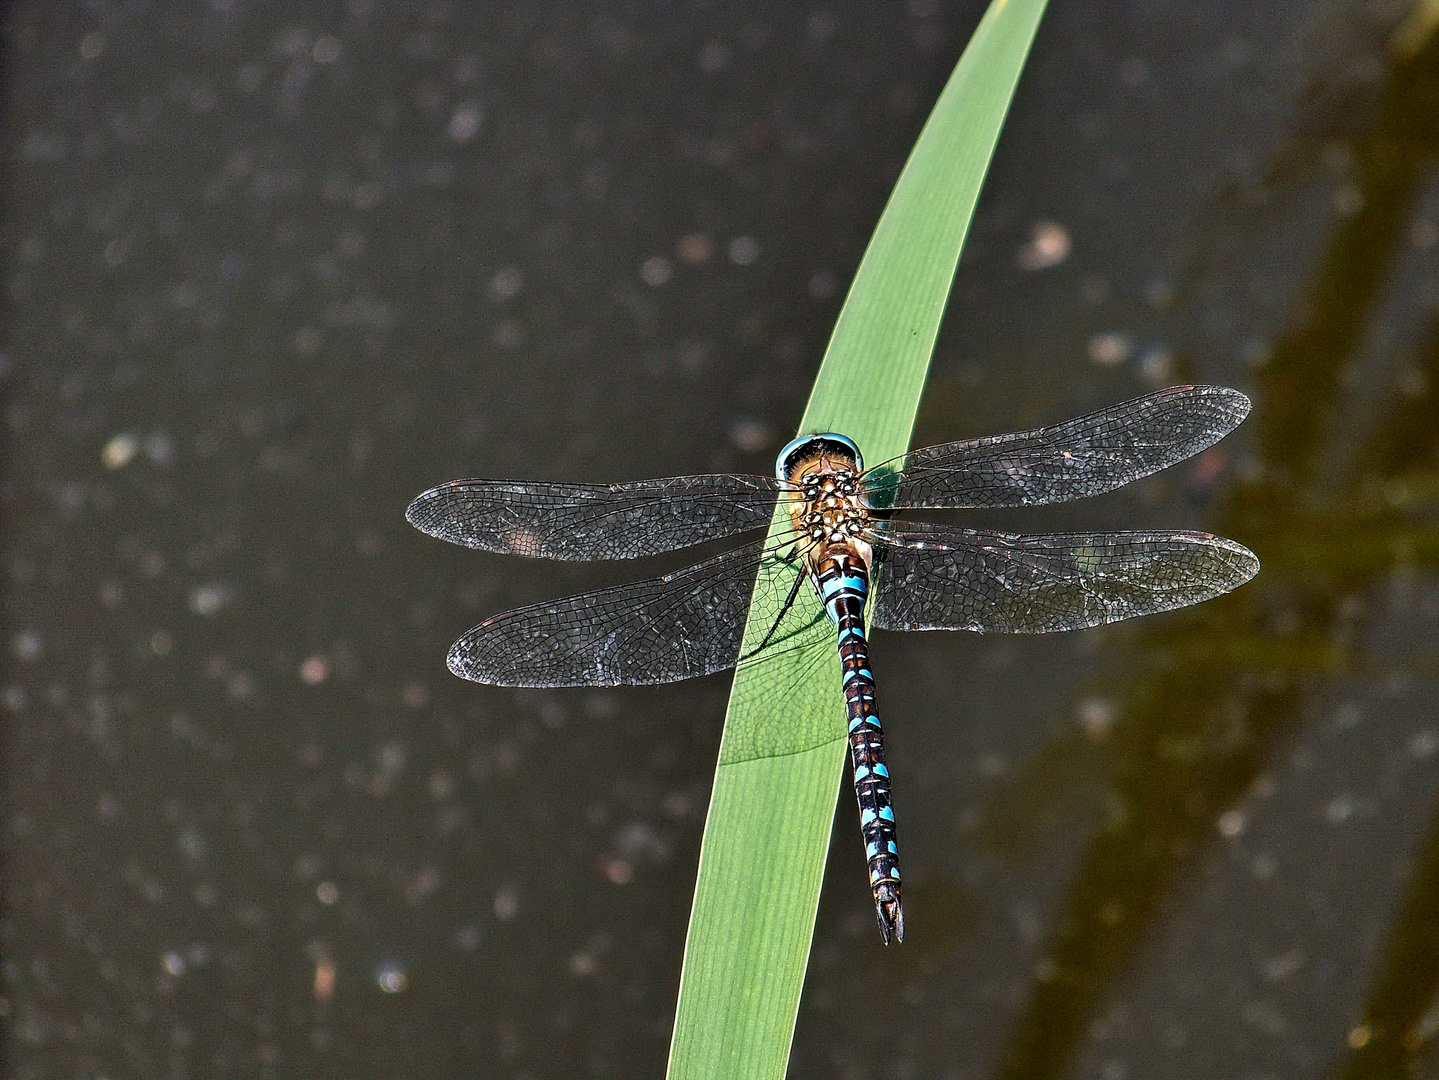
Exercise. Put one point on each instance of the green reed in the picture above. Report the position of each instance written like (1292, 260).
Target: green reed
(782, 755)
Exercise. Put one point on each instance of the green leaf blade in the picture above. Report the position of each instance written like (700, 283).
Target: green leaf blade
(782, 755)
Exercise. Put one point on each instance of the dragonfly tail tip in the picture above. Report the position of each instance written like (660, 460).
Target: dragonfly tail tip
(891, 919)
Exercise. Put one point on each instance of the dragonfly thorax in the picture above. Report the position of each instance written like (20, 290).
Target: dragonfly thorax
(833, 520)
(830, 486)
(829, 510)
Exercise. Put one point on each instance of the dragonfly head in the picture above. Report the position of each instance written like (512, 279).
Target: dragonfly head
(809, 446)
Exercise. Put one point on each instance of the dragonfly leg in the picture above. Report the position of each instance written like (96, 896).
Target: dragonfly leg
(784, 608)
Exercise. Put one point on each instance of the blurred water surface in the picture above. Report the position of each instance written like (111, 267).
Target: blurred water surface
(271, 270)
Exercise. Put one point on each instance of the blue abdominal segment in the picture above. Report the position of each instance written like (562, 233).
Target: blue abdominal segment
(843, 584)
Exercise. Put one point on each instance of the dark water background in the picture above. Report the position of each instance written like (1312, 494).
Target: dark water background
(271, 270)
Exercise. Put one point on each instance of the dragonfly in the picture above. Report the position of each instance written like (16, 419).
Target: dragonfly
(834, 524)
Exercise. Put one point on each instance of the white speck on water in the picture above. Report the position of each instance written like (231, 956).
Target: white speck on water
(656, 271)
(206, 600)
(695, 248)
(28, 645)
(326, 975)
(391, 977)
(119, 451)
(744, 250)
(1339, 810)
(1049, 245)
(1156, 366)
(159, 449)
(389, 763)
(422, 885)
(465, 121)
(1256, 353)
(506, 904)
(1096, 717)
(713, 58)
(442, 785)
(823, 285)
(1348, 199)
(1231, 823)
(992, 764)
(1279, 968)
(1110, 350)
(749, 435)
(314, 670)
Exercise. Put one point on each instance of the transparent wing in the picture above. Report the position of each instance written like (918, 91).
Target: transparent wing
(935, 577)
(1086, 456)
(594, 521)
(680, 626)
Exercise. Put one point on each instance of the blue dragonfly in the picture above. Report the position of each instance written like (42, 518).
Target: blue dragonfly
(840, 533)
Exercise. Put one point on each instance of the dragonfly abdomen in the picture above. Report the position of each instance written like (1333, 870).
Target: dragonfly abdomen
(843, 581)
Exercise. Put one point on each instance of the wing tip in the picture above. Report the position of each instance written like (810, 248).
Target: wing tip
(457, 659)
(1242, 563)
(463, 660)
(416, 513)
(1236, 403)
(427, 512)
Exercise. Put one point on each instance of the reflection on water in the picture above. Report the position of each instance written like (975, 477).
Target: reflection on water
(1207, 697)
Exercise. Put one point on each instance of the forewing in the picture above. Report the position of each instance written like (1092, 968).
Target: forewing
(942, 578)
(592, 521)
(1086, 456)
(680, 626)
